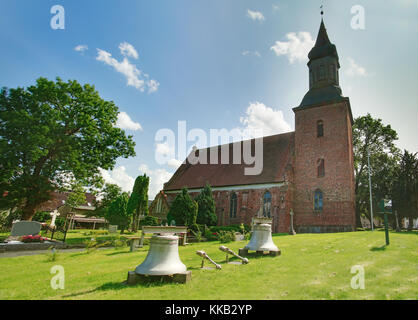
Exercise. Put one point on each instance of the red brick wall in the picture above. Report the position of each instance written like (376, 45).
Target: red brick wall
(336, 148)
(248, 205)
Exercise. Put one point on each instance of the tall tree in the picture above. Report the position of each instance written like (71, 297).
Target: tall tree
(206, 207)
(53, 134)
(138, 202)
(405, 191)
(371, 135)
(117, 213)
(183, 210)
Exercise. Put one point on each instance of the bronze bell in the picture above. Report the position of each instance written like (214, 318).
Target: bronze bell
(163, 257)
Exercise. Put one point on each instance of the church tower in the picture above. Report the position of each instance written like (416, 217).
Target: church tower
(324, 199)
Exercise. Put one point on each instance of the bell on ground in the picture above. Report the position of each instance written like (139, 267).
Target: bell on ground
(163, 257)
(261, 239)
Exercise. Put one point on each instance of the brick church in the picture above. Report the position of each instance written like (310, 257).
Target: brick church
(308, 172)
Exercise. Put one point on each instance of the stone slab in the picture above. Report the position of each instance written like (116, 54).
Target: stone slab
(244, 252)
(31, 246)
(134, 278)
(25, 228)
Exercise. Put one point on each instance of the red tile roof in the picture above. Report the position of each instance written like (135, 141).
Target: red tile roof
(59, 197)
(277, 153)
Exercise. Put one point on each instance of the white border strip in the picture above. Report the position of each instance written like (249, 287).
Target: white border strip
(234, 188)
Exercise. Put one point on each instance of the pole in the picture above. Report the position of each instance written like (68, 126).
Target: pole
(370, 189)
(386, 229)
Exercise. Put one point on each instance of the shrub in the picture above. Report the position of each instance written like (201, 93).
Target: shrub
(211, 236)
(226, 236)
(149, 221)
(183, 210)
(235, 228)
(206, 207)
(41, 216)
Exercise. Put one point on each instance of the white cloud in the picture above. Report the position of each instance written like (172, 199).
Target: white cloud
(251, 53)
(164, 149)
(355, 70)
(166, 153)
(130, 71)
(132, 74)
(119, 177)
(275, 7)
(152, 86)
(296, 48)
(81, 48)
(125, 122)
(255, 15)
(128, 50)
(259, 116)
(157, 179)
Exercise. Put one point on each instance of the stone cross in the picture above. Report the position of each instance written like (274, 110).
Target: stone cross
(54, 216)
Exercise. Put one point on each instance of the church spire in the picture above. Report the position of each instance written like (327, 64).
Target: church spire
(322, 38)
(323, 70)
(323, 46)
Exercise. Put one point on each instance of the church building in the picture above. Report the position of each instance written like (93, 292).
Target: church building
(308, 173)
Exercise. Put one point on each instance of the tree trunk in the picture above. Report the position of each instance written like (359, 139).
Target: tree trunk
(28, 212)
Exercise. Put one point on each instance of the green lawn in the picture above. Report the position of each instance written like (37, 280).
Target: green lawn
(312, 266)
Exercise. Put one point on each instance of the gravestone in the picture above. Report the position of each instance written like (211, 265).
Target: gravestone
(113, 229)
(25, 228)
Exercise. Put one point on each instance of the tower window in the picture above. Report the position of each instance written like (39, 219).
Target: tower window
(233, 206)
(320, 128)
(321, 72)
(321, 168)
(318, 200)
(267, 205)
(332, 71)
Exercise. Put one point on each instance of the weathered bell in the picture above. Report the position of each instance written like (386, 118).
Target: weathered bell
(261, 239)
(163, 257)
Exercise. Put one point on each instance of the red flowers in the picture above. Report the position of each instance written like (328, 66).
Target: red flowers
(29, 239)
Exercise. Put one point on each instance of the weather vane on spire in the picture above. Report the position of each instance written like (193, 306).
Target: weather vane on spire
(322, 11)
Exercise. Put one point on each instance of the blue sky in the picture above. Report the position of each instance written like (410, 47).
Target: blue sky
(212, 62)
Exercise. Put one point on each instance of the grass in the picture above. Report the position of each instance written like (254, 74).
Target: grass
(312, 266)
(82, 235)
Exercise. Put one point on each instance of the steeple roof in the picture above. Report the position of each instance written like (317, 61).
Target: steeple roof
(323, 46)
(322, 38)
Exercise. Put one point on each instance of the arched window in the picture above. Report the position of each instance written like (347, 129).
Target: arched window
(320, 128)
(321, 168)
(267, 205)
(318, 200)
(233, 206)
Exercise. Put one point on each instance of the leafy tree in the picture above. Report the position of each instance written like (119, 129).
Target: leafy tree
(51, 135)
(405, 191)
(77, 197)
(206, 207)
(372, 135)
(138, 202)
(108, 194)
(117, 213)
(183, 210)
